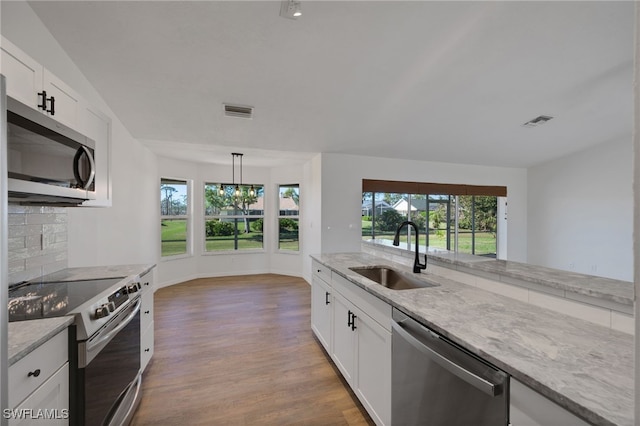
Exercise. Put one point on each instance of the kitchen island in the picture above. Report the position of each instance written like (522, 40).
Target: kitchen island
(584, 368)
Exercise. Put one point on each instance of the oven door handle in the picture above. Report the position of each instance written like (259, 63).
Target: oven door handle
(115, 331)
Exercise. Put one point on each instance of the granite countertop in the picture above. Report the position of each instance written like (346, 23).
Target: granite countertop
(25, 336)
(607, 289)
(585, 368)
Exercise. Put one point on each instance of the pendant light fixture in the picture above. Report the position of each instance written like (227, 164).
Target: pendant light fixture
(236, 187)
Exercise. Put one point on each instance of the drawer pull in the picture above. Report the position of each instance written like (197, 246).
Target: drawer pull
(35, 373)
(146, 312)
(147, 350)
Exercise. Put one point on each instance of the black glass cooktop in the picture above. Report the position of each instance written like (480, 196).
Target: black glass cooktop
(34, 300)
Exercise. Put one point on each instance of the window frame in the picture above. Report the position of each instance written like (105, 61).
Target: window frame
(236, 217)
(406, 190)
(188, 217)
(285, 216)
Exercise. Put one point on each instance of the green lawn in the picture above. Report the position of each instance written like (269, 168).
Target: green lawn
(485, 241)
(174, 239)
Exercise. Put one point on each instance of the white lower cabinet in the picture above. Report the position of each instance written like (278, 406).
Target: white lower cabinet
(528, 408)
(357, 328)
(321, 315)
(49, 403)
(373, 375)
(344, 338)
(39, 385)
(146, 320)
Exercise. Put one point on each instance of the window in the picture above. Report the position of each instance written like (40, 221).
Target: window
(174, 217)
(455, 220)
(233, 222)
(288, 217)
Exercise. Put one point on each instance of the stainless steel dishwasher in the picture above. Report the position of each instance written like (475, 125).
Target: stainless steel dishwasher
(438, 383)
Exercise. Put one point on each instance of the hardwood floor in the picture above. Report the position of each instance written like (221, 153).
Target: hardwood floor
(240, 351)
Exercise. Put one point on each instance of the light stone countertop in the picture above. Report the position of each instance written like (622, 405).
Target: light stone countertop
(606, 289)
(26, 336)
(585, 368)
(98, 272)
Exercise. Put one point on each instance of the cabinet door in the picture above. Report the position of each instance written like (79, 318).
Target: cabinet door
(146, 320)
(48, 404)
(529, 408)
(24, 75)
(67, 102)
(373, 378)
(321, 309)
(343, 349)
(146, 346)
(97, 126)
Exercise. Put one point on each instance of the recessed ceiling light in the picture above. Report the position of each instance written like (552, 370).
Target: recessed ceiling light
(541, 119)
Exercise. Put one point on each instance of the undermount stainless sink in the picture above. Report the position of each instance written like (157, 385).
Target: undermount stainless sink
(391, 278)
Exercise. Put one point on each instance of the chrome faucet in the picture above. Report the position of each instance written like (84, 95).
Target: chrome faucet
(417, 266)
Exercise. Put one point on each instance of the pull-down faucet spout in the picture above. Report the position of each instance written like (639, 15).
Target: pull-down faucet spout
(417, 266)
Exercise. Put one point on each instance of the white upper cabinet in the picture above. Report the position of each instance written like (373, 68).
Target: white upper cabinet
(63, 103)
(23, 74)
(97, 126)
(34, 85)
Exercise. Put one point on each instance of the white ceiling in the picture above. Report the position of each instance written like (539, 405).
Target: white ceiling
(427, 80)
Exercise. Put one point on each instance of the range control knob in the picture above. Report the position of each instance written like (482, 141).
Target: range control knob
(133, 288)
(102, 311)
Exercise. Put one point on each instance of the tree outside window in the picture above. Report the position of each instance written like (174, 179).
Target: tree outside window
(233, 221)
(174, 217)
(289, 217)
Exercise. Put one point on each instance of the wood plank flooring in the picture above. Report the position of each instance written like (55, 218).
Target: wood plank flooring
(240, 351)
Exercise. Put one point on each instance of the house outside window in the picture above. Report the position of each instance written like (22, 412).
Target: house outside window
(461, 223)
(233, 222)
(289, 217)
(174, 217)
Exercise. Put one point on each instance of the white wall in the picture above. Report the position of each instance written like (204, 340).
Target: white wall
(125, 232)
(342, 193)
(311, 221)
(581, 212)
(200, 264)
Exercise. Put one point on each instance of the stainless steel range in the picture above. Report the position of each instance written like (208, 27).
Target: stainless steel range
(104, 351)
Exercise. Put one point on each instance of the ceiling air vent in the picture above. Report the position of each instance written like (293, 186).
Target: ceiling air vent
(537, 121)
(238, 111)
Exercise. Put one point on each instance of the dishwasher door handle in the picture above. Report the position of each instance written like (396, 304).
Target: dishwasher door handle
(492, 389)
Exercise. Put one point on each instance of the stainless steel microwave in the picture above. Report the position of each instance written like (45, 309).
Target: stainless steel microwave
(48, 163)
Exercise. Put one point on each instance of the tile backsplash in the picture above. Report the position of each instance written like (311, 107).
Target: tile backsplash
(37, 241)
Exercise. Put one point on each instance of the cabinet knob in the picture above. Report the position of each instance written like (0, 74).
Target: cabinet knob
(147, 350)
(34, 373)
(146, 312)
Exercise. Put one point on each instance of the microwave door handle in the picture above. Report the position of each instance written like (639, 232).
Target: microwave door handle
(76, 167)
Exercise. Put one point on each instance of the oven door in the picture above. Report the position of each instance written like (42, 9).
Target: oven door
(108, 377)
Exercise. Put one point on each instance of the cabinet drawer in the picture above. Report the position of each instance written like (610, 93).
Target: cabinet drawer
(321, 271)
(41, 364)
(52, 396)
(376, 308)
